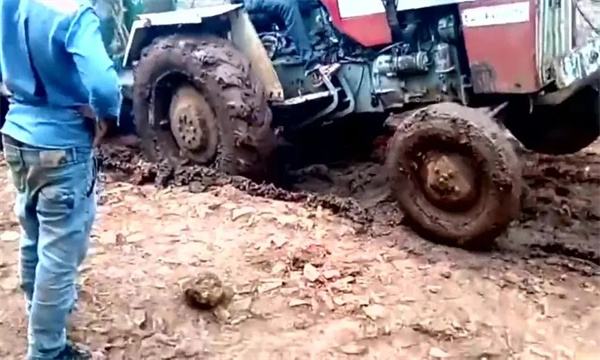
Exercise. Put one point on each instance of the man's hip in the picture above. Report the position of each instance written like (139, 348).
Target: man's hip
(70, 171)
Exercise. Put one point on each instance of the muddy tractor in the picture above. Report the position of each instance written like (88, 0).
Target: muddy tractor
(450, 84)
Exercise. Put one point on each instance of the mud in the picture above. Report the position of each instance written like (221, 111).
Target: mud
(561, 211)
(127, 163)
(305, 276)
(559, 222)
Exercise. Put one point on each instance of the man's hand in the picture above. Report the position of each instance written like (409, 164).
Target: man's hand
(101, 131)
(101, 125)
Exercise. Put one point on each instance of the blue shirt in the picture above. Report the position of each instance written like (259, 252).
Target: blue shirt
(53, 61)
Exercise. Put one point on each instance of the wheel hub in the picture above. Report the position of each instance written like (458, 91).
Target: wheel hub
(193, 125)
(188, 129)
(449, 181)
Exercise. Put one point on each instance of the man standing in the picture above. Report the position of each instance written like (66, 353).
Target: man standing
(53, 61)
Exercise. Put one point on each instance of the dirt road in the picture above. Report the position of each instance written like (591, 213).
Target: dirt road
(312, 285)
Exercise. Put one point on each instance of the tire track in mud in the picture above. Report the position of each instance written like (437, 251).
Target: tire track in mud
(562, 207)
(129, 166)
(560, 219)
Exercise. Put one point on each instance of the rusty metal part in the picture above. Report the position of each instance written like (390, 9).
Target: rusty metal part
(449, 181)
(506, 67)
(193, 125)
(245, 38)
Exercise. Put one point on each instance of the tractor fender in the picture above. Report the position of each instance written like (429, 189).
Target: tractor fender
(138, 36)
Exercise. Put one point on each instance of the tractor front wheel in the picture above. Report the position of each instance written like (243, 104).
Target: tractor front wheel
(196, 101)
(454, 175)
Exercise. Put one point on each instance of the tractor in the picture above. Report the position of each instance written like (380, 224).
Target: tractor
(451, 83)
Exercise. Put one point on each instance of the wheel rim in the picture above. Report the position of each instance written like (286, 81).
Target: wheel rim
(193, 125)
(449, 181)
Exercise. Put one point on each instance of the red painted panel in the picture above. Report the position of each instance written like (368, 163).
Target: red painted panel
(503, 57)
(368, 30)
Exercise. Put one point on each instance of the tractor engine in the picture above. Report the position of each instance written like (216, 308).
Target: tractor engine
(422, 66)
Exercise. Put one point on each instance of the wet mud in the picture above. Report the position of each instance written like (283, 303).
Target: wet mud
(559, 222)
(126, 163)
(561, 210)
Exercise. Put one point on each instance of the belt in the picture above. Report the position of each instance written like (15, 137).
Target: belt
(10, 141)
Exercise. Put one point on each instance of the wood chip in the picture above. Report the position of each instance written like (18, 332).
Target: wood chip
(374, 312)
(434, 289)
(437, 353)
(10, 236)
(354, 349)
(238, 213)
(298, 302)
(331, 274)
(326, 299)
(269, 286)
(279, 241)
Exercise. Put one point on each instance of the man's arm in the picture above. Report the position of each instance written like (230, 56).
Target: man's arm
(96, 69)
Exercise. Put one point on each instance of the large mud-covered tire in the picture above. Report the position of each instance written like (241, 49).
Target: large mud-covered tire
(222, 76)
(455, 175)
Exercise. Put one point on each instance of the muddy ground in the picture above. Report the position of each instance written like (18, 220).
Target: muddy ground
(326, 272)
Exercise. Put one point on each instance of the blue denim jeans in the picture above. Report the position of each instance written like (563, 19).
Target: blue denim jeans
(56, 206)
(289, 12)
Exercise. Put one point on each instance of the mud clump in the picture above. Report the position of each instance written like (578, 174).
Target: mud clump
(206, 291)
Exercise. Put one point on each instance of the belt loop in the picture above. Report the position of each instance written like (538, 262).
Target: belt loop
(21, 155)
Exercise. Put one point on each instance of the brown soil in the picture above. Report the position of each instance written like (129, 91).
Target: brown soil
(309, 284)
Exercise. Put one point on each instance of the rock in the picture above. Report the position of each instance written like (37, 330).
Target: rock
(434, 289)
(196, 187)
(343, 284)
(540, 353)
(331, 274)
(120, 239)
(351, 270)
(311, 273)
(10, 235)
(238, 213)
(326, 299)
(269, 285)
(353, 349)
(189, 348)
(313, 254)
(298, 302)
(10, 283)
(374, 312)
(437, 353)
(279, 268)
(97, 355)
(243, 304)
(566, 353)
(139, 318)
(136, 237)
(222, 314)
(279, 241)
(339, 300)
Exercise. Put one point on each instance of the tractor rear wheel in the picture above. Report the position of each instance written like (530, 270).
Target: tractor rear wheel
(455, 175)
(197, 102)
